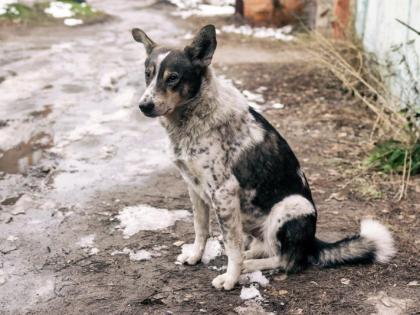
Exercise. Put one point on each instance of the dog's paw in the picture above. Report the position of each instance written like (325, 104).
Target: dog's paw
(250, 265)
(224, 281)
(189, 259)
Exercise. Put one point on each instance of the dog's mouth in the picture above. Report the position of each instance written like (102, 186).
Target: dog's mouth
(151, 114)
(154, 114)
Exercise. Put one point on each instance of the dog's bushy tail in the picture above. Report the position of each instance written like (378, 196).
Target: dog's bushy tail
(373, 244)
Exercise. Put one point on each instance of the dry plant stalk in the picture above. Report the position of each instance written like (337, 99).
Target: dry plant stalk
(356, 73)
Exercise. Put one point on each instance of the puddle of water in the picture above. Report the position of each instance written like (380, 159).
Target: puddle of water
(24, 155)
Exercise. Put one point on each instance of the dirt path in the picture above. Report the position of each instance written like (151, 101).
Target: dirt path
(75, 153)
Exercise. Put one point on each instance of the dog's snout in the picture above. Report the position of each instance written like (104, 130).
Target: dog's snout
(147, 107)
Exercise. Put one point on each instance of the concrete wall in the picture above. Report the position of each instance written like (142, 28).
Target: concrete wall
(396, 47)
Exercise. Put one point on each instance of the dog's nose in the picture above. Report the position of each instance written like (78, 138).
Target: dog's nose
(147, 107)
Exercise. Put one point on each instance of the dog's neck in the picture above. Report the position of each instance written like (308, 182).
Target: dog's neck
(214, 105)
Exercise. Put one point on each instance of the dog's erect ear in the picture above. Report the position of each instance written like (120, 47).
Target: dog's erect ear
(141, 37)
(202, 48)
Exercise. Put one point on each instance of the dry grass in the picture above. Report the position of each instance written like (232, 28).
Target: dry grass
(357, 72)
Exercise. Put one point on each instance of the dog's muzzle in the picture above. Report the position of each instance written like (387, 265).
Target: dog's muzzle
(147, 108)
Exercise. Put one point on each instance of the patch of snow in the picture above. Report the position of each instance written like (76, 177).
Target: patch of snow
(261, 89)
(86, 241)
(146, 218)
(218, 268)
(345, 281)
(250, 293)
(4, 4)
(134, 255)
(93, 251)
(12, 238)
(254, 277)
(213, 249)
(59, 9)
(205, 10)
(277, 106)
(187, 8)
(282, 33)
(72, 22)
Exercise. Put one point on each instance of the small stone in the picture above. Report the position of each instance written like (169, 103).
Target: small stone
(413, 283)
(179, 243)
(283, 292)
(280, 278)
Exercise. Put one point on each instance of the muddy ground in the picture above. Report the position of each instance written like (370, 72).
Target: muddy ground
(75, 151)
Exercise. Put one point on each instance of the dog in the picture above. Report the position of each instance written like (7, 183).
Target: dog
(236, 164)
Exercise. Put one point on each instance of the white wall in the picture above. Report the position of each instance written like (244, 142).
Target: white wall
(396, 47)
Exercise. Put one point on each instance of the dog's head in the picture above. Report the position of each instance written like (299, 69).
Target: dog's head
(173, 76)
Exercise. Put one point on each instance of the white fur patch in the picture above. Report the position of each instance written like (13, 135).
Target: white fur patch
(380, 235)
(289, 208)
(150, 90)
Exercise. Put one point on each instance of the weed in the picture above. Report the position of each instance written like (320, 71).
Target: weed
(393, 156)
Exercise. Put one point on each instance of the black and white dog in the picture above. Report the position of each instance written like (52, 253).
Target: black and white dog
(237, 164)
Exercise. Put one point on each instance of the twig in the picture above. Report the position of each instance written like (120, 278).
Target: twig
(409, 27)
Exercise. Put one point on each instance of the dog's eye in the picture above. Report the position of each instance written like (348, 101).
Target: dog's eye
(172, 78)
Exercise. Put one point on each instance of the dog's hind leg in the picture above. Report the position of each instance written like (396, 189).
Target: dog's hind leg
(289, 235)
(201, 228)
(252, 265)
(256, 249)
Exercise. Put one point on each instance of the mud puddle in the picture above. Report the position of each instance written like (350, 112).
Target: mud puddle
(20, 158)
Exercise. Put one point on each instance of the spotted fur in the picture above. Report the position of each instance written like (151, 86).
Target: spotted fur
(236, 164)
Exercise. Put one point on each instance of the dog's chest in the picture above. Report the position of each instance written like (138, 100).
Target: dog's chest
(201, 166)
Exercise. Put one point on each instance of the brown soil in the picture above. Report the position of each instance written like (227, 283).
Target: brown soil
(329, 132)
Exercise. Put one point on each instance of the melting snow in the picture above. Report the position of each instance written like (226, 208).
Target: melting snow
(277, 106)
(282, 33)
(205, 10)
(86, 241)
(144, 217)
(4, 5)
(135, 255)
(254, 277)
(72, 22)
(250, 293)
(212, 250)
(59, 9)
(187, 8)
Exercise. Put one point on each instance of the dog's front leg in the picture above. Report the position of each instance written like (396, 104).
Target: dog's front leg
(227, 206)
(201, 228)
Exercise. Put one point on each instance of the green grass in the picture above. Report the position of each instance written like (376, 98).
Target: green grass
(393, 156)
(17, 13)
